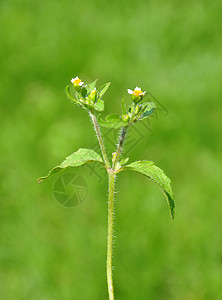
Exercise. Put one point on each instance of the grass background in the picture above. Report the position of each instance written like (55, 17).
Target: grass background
(172, 49)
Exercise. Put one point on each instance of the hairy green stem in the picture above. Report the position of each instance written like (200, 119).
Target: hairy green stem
(120, 146)
(111, 173)
(110, 235)
(99, 137)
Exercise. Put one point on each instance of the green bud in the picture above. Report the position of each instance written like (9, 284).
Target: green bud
(125, 118)
(135, 119)
(113, 156)
(93, 95)
(136, 110)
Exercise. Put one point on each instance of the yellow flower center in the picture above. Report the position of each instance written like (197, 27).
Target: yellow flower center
(77, 81)
(137, 92)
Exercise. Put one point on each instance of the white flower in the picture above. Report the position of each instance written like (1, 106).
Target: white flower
(136, 92)
(77, 81)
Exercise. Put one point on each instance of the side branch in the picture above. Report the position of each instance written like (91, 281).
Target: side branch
(120, 146)
(99, 137)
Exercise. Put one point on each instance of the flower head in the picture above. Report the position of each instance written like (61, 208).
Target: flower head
(136, 92)
(76, 81)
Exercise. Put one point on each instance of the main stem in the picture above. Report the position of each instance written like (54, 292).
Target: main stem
(111, 173)
(99, 137)
(110, 235)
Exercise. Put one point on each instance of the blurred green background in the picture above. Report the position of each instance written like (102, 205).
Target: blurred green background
(172, 49)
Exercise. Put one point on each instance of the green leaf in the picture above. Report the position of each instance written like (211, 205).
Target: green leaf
(103, 89)
(123, 161)
(150, 106)
(84, 91)
(91, 86)
(76, 159)
(111, 121)
(113, 118)
(99, 105)
(71, 97)
(158, 176)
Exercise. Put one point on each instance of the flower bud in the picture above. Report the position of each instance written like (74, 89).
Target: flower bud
(137, 108)
(93, 95)
(113, 156)
(125, 118)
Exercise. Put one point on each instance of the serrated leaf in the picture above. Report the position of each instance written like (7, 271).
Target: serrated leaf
(103, 89)
(99, 105)
(76, 159)
(158, 176)
(91, 86)
(150, 106)
(111, 121)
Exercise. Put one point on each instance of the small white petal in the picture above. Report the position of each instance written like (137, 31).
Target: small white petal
(81, 83)
(137, 89)
(144, 93)
(130, 91)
